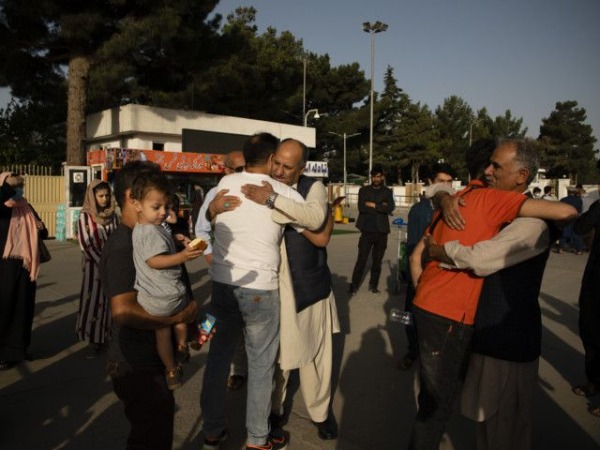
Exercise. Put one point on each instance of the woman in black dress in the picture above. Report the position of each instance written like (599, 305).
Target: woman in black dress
(20, 229)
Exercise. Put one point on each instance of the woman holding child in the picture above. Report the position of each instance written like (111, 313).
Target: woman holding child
(97, 221)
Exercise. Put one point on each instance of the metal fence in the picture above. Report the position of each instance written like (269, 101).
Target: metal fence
(31, 169)
(45, 193)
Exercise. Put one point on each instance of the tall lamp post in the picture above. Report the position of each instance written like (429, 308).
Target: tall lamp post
(372, 29)
(304, 87)
(308, 113)
(345, 136)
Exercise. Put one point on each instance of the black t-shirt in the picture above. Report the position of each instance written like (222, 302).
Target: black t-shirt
(117, 271)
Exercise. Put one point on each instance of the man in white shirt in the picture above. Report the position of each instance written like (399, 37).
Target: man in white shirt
(308, 310)
(245, 297)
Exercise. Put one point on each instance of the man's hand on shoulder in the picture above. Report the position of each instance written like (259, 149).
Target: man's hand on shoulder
(256, 193)
(450, 207)
(222, 203)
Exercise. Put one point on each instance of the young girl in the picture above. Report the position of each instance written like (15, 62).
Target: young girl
(160, 288)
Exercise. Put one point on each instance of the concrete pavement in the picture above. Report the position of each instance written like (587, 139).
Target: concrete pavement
(63, 400)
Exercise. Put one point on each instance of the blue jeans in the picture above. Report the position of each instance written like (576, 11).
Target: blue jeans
(444, 351)
(255, 313)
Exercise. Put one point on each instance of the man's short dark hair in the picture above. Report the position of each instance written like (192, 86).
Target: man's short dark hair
(124, 177)
(441, 168)
(548, 189)
(376, 169)
(259, 147)
(478, 156)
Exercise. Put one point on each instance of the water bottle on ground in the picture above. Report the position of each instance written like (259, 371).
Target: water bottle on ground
(404, 317)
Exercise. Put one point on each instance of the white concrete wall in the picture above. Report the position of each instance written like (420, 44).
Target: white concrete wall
(137, 126)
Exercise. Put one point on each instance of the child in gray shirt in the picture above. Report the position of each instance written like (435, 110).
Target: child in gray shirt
(161, 291)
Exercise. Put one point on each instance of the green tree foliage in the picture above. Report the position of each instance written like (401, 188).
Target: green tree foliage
(406, 135)
(157, 44)
(454, 119)
(262, 76)
(29, 135)
(567, 143)
(507, 126)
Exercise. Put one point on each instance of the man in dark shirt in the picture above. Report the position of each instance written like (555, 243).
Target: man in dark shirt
(375, 204)
(134, 366)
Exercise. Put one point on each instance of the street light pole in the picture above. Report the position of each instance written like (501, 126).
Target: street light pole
(304, 89)
(372, 29)
(345, 136)
(317, 116)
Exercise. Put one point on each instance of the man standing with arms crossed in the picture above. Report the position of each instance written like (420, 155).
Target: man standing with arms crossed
(375, 204)
(446, 301)
(308, 311)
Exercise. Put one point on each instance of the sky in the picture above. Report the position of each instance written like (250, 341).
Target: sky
(522, 55)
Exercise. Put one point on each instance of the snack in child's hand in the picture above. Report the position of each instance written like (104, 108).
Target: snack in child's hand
(198, 244)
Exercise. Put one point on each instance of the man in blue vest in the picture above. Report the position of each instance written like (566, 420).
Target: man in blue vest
(308, 312)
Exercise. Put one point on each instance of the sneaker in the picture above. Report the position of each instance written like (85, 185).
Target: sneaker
(374, 290)
(278, 442)
(214, 444)
(174, 378)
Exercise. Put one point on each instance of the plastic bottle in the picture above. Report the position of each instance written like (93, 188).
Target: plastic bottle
(397, 315)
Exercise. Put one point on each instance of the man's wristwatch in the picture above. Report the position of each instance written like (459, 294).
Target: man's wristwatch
(271, 200)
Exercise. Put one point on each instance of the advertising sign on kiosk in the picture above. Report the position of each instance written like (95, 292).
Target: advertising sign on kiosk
(189, 172)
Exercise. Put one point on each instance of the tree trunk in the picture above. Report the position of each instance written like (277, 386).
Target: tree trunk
(79, 69)
(415, 172)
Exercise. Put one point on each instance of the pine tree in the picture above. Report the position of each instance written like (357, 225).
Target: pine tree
(568, 144)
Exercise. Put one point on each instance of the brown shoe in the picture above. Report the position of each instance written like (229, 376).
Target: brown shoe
(174, 378)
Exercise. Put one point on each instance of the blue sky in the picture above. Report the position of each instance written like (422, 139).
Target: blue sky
(522, 55)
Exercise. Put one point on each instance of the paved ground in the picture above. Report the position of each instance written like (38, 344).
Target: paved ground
(63, 400)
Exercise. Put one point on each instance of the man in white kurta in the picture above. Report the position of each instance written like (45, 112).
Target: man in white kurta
(305, 336)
